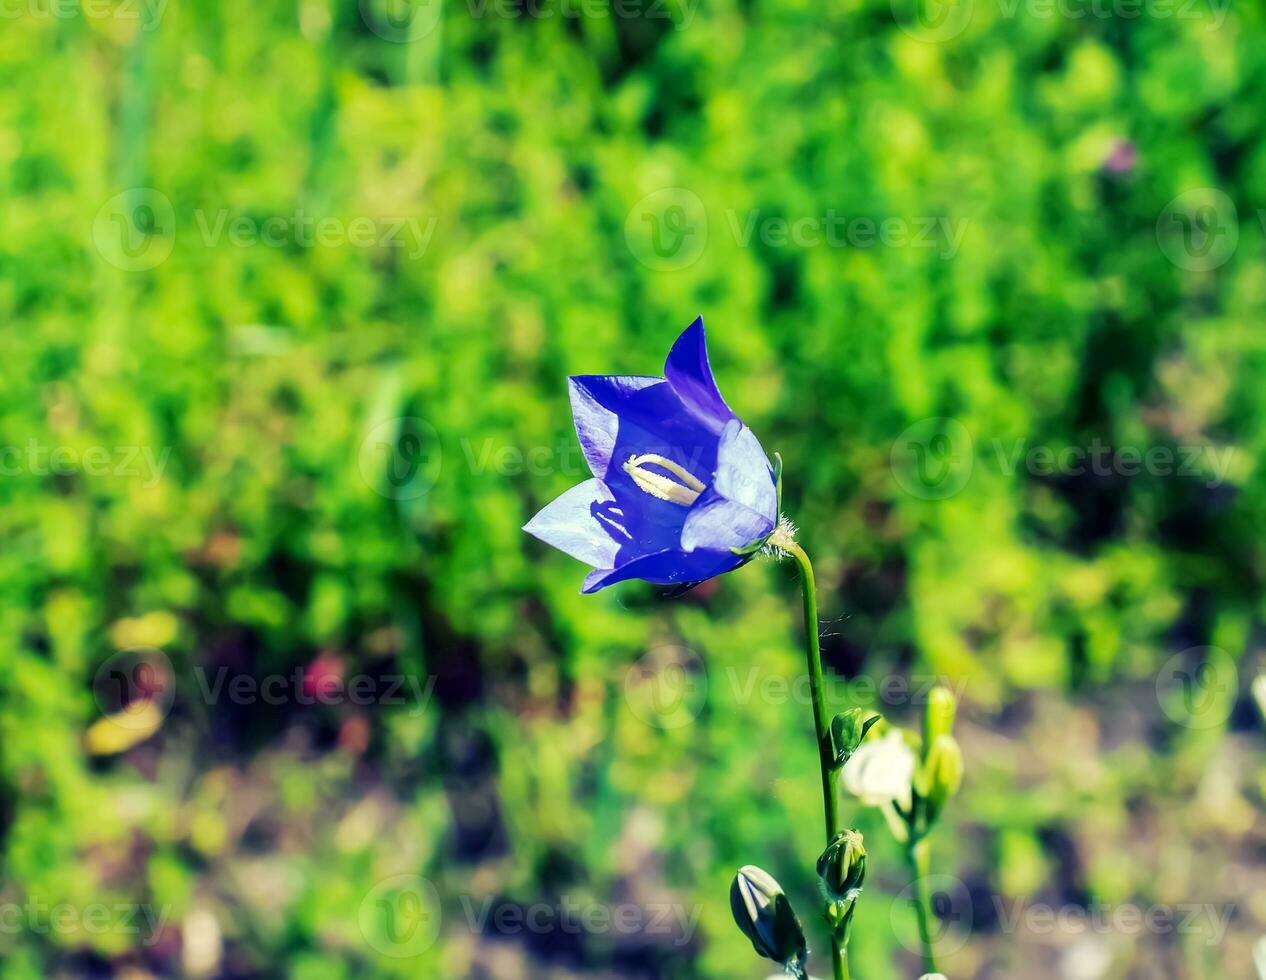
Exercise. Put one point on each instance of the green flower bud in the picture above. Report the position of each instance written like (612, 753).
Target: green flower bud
(943, 773)
(939, 717)
(766, 917)
(847, 732)
(842, 867)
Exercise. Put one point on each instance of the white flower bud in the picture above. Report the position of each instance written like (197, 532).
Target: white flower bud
(881, 771)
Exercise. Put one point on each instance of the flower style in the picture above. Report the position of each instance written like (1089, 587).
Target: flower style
(681, 491)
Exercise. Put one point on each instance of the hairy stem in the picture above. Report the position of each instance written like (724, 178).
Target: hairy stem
(826, 754)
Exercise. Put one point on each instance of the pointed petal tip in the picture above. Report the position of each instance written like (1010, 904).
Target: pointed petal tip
(533, 526)
(693, 338)
(595, 581)
(689, 371)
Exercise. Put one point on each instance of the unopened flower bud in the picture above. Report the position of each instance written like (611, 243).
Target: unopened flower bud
(842, 867)
(766, 917)
(943, 773)
(881, 771)
(847, 732)
(939, 717)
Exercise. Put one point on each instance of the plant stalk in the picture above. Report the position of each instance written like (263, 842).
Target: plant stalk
(918, 856)
(826, 755)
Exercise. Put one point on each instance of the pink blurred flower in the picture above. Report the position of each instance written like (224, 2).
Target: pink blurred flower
(1123, 158)
(324, 676)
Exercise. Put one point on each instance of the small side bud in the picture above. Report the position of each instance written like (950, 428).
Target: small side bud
(766, 917)
(842, 867)
(848, 730)
(939, 717)
(943, 773)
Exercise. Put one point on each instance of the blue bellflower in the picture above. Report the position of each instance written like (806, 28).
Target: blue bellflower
(681, 489)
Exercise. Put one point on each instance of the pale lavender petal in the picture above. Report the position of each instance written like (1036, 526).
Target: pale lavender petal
(719, 523)
(744, 474)
(596, 401)
(583, 523)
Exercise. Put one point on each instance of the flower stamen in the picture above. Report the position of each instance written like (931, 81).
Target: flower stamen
(658, 485)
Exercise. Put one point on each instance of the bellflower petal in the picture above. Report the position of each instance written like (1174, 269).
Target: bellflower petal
(595, 401)
(621, 416)
(722, 524)
(743, 471)
(577, 524)
(688, 371)
(667, 567)
(743, 503)
(679, 481)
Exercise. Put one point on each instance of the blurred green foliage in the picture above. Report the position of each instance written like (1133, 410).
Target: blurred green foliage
(260, 505)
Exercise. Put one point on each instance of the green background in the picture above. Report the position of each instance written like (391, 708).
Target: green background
(345, 430)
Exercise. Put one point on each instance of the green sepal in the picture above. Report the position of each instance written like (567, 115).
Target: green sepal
(848, 731)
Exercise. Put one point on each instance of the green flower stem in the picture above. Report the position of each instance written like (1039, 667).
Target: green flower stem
(826, 754)
(919, 858)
